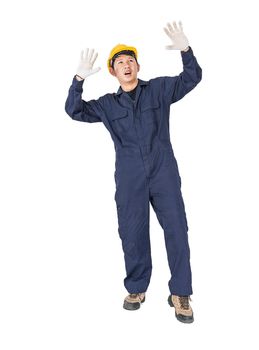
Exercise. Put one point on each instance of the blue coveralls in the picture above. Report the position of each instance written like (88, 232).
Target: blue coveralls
(145, 170)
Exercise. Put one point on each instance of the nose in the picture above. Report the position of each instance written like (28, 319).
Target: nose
(127, 64)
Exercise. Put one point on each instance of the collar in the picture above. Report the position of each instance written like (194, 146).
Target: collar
(140, 82)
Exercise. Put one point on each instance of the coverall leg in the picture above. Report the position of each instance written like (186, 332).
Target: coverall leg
(167, 202)
(132, 201)
(144, 177)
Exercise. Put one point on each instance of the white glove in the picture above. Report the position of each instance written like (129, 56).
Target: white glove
(176, 34)
(85, 67)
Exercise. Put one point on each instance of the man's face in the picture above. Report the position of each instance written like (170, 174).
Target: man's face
(125, 69)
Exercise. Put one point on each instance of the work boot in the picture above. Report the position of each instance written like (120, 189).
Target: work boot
(183, 310)
(133, 301)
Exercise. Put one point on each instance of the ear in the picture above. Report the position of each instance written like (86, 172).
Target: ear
(138, 67)
(111, 70)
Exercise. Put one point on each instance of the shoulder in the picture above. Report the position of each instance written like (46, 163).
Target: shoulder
(160, 82)
(107, 98)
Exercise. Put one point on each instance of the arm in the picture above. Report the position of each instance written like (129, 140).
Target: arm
(79, 109)
(177, 87)
(75, 107)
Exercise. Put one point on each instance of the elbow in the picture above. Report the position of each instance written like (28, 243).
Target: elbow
(199, 74)
(69, 110)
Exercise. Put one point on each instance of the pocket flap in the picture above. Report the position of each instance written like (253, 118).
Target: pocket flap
(120, 115)
(151, 105)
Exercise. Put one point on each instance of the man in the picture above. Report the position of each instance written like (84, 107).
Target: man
(146, 171)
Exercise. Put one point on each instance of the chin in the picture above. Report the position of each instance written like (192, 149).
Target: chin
(130, 79)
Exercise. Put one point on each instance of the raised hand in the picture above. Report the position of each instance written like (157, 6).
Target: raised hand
(176, 34)
(85, 66)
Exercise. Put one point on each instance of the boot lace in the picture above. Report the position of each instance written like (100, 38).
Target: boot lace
(136, 296)
(184, 302)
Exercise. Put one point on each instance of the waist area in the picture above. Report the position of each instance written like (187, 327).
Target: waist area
(143, 149)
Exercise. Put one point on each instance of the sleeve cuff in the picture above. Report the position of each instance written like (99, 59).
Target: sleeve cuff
(187, 55)
(77, 84)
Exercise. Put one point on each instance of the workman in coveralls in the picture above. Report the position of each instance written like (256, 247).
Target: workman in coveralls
(146, 171)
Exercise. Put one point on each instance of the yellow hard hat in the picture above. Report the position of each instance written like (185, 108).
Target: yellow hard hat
(123, 49)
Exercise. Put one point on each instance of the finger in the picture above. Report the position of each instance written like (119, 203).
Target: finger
(175, 26)
(86, 53)
(167, 32)
(82, 55)
(94, 58)
(91, 54)
(170, 28)
(181, 26)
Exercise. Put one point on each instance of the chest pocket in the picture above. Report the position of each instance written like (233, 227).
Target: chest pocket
(121, 122)
(150, 113)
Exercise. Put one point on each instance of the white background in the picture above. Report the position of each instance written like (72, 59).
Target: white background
(61, 262)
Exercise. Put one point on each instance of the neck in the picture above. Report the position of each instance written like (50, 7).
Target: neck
(129, 86)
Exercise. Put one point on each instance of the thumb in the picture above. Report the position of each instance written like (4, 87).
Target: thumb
(95, 70)
(170, 47)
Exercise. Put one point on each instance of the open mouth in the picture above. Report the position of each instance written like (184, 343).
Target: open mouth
(127, 73)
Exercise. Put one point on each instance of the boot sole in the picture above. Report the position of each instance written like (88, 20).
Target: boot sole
(132, 306)
(181, 318)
